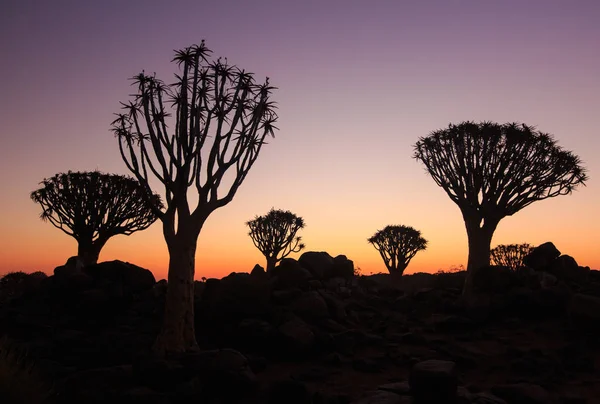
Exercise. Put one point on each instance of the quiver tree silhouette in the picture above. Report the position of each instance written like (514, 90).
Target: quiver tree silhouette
(274, 234)
(493, 170)
(510, 255)
(201, 134)
(92, 207)
(397, 245)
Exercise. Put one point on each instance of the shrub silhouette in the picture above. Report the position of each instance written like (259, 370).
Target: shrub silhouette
(397, 245)
(92, 207)
(510, 255)
(274, 234)
(493, 170)
(218, 125)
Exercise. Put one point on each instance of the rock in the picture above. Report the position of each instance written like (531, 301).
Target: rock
(485, 398)
(70, 278)
(297, 336)
(130, 278)
(220, 370)
(336, 306)
(74, 265)
(342, 268)
(289, 391)
(541, 256)
(383, 397)
(492, 279)
(584, 310)
(238, 295)
(547, 280)
(566, 268)
(310, 306)
(258, 271)
(255, 334)
(317, 263)
(524, 393)
(368, 365)
(434, 381)
(401, 388)
(290, 274)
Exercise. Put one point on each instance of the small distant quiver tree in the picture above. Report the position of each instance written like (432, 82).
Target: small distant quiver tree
(397, 245)
(274, 234)
(92, 207)
(201, 135)
(510, 255)
(493, 170)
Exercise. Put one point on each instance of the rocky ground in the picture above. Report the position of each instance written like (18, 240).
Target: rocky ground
(310, 332)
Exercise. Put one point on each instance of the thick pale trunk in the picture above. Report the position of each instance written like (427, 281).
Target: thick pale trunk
(480, 240)
(178, 331)
(89, 251)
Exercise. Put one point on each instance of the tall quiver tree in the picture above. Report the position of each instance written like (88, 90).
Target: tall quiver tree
(92, 207)
(274, 234)
(493, 170)
(221, 119)
(398, 245)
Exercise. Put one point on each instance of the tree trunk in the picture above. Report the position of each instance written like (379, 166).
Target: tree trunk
(271, 262)
(480, 240)
(397, 271)
(177, 334)
(89, 250)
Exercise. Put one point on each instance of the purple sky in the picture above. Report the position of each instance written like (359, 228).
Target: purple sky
(359, 82)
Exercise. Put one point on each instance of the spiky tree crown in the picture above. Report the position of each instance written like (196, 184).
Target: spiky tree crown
(93, 204)
(275, 233)
(212, 121)
(496, 169)
(400, 238)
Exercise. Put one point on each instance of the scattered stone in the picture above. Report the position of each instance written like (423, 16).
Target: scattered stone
(433, 380)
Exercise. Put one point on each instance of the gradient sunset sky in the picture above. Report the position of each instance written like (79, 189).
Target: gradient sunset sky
(359, 82)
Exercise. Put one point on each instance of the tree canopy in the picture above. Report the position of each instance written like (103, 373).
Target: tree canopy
(274, 234)
(498, 169)
(398, 245)
(93, 206)
(493, 170)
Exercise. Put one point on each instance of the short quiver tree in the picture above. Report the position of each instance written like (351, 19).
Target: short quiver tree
(510, 255)
(92, 207)
(199, 137)
(274, 234)
(397, 245)
(493, 170)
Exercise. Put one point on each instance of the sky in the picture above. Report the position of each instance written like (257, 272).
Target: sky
(358, 83)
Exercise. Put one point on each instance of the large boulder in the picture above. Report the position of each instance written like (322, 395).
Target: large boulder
(70, 278)
(237, 295)
(290, 274)
(318, 263)
(220, 369)
(566, 268)
(297, 337)
(584, 310)
(310, 306)
(74, 265)
(541, 256)
(434, 381)
(525, 393)
(342, 268)
(127, 277)
(493, 279)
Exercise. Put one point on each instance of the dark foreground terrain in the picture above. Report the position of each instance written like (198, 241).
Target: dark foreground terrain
(310, 332)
